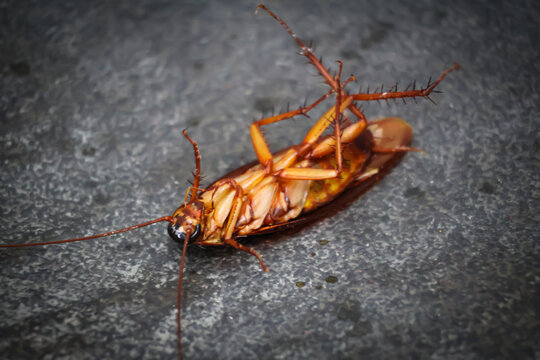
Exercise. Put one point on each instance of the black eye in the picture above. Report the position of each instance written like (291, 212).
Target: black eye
(179, 235)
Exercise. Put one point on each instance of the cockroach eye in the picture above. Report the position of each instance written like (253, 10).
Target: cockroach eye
(178, 234)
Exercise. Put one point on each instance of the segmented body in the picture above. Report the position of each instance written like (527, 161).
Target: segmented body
(267, 200)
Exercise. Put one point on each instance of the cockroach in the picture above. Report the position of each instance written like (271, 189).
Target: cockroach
(287, 188)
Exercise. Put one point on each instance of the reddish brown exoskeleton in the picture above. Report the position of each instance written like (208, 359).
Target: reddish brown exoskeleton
(285, 188)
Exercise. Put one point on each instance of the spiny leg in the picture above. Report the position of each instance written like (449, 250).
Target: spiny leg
(337, 123)
(325, 146)
(307, 52)
(425, 92)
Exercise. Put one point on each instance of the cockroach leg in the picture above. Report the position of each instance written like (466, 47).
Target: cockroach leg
(334, 84)
(307, 52)
(234, 214)
(425, 92)
(259, 143)
(239, 246)
(233, 218)
(307, 174)
(235, 210)
(337, 123)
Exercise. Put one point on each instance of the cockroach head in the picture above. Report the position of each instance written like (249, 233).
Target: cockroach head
(187, 218)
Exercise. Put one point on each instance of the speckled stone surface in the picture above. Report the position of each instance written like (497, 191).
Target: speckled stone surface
(440, 260)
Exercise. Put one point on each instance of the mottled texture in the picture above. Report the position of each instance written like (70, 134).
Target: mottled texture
(440, 260)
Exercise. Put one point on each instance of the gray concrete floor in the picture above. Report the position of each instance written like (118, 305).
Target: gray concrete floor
(440, 260)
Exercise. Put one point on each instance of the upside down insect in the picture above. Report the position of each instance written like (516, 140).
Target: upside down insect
(287, 187)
